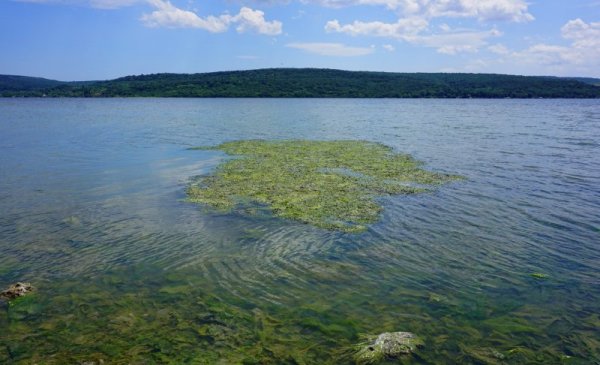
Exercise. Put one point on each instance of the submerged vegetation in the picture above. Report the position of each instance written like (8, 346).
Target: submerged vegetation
(330, 184)
(149, 316)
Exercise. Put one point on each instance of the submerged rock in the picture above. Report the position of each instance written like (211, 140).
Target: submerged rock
(387, 345)
(15, 291)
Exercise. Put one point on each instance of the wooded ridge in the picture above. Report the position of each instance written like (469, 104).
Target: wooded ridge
(308, 83)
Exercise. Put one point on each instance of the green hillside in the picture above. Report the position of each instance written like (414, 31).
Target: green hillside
(10, 83)
(587, 80)
(315, 83)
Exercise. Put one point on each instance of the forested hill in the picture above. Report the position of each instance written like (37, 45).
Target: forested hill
(309, 83)
(10, 83)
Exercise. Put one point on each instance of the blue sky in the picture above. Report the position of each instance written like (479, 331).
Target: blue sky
(103, 39)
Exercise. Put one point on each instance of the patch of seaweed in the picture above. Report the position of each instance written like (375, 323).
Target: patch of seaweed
(329, 184)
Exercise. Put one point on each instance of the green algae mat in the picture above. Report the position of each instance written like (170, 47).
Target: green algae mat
(329, 184)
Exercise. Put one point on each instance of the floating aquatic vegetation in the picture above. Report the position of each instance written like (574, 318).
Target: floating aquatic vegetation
(72, 221)
(539, 275)
(330, 184)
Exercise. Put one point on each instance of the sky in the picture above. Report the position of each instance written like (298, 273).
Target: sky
(104, 39)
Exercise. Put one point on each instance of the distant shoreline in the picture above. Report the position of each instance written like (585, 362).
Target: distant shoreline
(310, 83)
(283, 98)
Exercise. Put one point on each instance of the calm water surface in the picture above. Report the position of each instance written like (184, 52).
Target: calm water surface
(93, 214)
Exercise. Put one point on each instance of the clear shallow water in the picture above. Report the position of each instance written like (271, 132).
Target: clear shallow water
(93, 214)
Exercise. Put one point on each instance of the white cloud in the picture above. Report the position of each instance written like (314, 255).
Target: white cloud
(583, 35)
(483, 10)
(583, 51)
(499, 49)
(168, 15)
(112, 4)
(581, 55)
(445, 27)
(400, 30)
(332, 49)
(413, 25)
(254, 20)
(165, 14)
(389, 47)
(100, 4)
(544, 54)
(411, 30)
(406, 5)
(454, 42)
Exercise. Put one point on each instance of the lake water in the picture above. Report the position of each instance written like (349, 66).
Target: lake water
(93, 214)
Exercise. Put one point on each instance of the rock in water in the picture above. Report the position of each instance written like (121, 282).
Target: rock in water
(387, 345)
(16, 290)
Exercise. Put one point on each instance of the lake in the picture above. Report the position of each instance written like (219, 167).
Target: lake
(500, 268)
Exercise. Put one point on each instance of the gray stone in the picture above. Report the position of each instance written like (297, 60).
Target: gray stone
(15, 291)
(387, 345)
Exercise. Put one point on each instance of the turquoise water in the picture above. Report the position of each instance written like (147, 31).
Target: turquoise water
(93, 214)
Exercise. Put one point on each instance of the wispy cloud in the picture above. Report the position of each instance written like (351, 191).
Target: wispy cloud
(412, 30)
(113, 4)
(580, 56)
(99, 4)
(401, 29)
(584, 50)
(499, 49)
(415, 17)
(454, 42)
(332, 49)
(483, 10)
